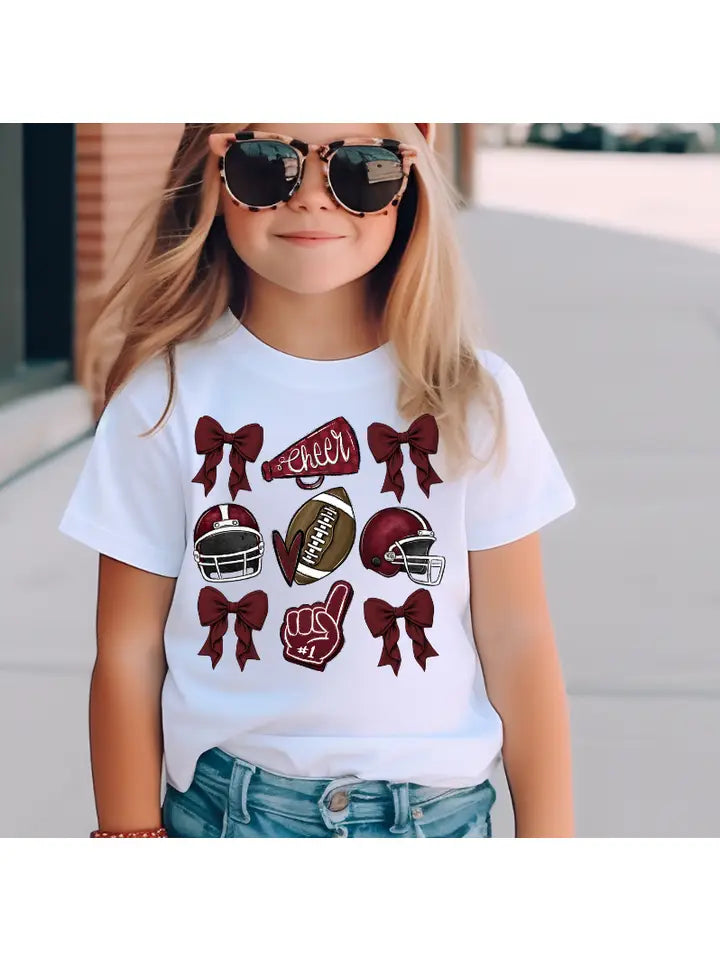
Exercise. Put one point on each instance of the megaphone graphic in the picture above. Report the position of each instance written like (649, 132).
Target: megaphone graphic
(330, 451)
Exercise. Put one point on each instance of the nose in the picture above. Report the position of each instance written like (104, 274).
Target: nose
(313, 192)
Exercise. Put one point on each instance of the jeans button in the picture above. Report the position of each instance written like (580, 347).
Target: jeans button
(339, 800)
(416, 813)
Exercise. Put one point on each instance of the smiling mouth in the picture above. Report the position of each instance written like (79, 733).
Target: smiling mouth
(312, 235)
(307, 240)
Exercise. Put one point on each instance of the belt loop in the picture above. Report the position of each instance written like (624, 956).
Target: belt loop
(242, 771)
(401, 803)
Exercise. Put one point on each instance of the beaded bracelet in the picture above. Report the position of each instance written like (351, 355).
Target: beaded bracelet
(157, 832)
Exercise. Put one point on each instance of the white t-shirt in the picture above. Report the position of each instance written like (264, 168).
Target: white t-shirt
(320, 624)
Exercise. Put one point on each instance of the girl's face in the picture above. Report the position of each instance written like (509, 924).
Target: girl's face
(302, 267)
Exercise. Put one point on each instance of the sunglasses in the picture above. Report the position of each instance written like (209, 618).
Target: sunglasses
(365, 175)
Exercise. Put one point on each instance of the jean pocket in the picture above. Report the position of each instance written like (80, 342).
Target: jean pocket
(445, 795)
(464, 812)
(189, 815)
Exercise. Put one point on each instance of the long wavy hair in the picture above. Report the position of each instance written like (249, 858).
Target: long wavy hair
(185, 274)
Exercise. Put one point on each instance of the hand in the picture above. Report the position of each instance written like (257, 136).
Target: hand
(312, 633)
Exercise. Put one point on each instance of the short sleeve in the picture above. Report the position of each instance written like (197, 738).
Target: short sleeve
(531, 490)
(128, 501)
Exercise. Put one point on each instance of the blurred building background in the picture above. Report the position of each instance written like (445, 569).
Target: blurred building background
(71, 192)
(658, 180)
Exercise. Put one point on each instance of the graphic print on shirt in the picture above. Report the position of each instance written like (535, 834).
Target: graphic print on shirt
(227, 543)
(312, 634)
(288, 556)
(250, 613)
(245, 444)
(398, 539)
(422, 440)
(329, 451)
(382, 620)
(326, 528)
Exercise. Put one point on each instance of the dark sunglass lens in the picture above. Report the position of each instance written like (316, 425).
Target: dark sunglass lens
(261, 173)
(365, 178)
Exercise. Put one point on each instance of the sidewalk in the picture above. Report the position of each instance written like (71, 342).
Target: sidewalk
(617, 339)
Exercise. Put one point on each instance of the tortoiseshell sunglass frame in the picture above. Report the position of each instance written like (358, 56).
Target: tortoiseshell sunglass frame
(220, 143)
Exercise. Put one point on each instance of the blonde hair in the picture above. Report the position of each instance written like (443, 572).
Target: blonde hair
(185, 274)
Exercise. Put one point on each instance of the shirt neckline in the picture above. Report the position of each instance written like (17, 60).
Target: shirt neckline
(270, 362)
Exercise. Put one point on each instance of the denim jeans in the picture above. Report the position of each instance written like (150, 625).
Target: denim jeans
(231, 797)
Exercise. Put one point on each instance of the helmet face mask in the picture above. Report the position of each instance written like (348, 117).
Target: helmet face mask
(413, 553)
(228, 549)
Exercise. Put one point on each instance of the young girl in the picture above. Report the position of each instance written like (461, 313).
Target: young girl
(316, 502)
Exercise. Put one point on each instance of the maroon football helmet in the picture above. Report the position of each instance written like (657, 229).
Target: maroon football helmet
(228, 543)
(396, 539)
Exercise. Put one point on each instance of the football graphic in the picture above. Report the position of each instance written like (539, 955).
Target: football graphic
(327, 523)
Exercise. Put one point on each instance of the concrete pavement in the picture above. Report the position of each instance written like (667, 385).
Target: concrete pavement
(617, 339)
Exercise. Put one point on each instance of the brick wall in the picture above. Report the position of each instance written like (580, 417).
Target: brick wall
(118, 165)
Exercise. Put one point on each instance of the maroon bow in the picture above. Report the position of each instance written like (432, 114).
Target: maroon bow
(422, 438)
(245, 445)
(381, 618)
(250, 613)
